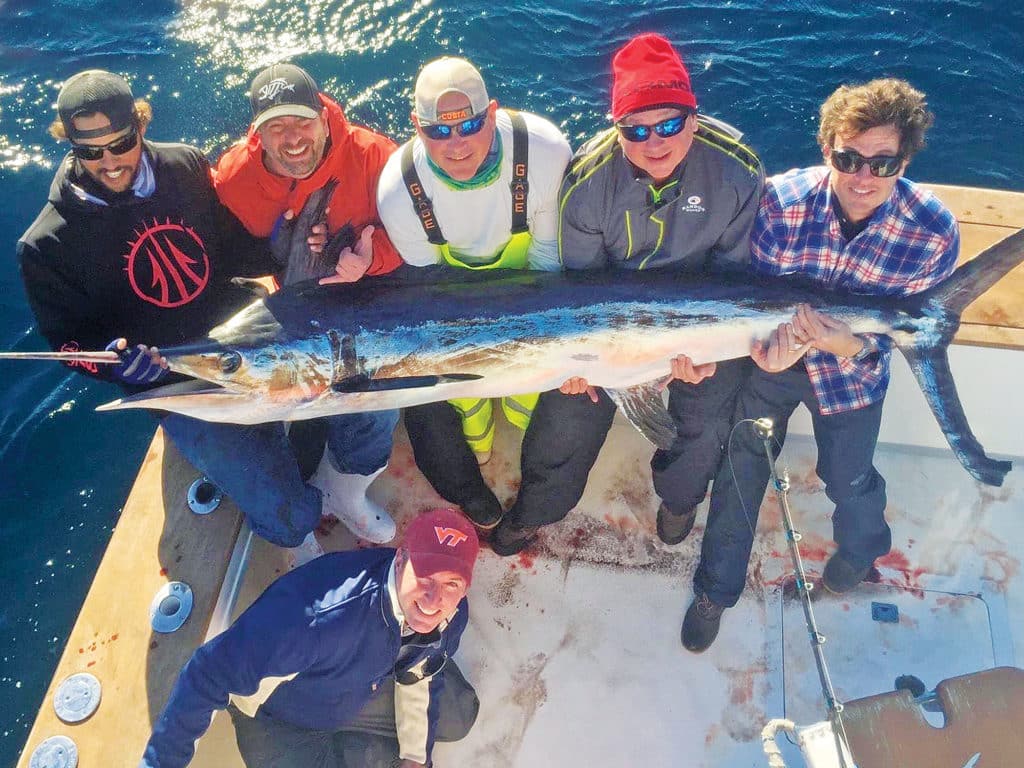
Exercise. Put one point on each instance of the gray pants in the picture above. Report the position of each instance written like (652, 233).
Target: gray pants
(367, 742)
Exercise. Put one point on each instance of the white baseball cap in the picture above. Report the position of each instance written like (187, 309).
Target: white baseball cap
(449, 75)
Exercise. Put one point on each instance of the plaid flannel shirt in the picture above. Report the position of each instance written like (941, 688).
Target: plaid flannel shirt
(910, 243)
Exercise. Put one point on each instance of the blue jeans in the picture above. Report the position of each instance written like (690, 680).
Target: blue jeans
(846, 448)
(255, 466)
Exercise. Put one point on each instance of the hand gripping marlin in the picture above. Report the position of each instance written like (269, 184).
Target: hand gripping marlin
(422, 335)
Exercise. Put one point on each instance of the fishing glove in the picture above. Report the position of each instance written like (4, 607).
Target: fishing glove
(136, 366)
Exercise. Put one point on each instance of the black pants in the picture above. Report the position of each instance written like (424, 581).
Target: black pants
(446, 460)
(367, 742)
(567, 433)
(846, 448)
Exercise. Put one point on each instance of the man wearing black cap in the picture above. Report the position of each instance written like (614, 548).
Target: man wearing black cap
(342, 663)
(299, 140)
(133, 242)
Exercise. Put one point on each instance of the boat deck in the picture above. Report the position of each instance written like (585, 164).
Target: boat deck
(574, 646)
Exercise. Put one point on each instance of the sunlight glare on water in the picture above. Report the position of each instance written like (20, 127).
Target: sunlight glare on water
(243, 37)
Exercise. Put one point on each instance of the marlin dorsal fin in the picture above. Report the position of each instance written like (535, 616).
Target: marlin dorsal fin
(646, 410)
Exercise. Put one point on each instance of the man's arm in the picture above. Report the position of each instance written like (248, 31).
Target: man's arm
(269, 640)
(549, 155)
(732, 249)
(65, 315)
(384, 255)
(581, 243)
(396, 212)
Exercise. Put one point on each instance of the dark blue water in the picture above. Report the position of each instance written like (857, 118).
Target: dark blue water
(764, 66)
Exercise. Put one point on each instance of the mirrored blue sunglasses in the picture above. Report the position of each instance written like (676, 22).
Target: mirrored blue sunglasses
(442, 132)
(665, 129)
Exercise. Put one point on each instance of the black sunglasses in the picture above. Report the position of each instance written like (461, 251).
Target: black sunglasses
(119, 146)
(442, 132)
(665, 128)
(850, 161)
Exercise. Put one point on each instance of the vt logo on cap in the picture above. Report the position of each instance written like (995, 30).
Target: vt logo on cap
(275, 87)
(442, 540)
(450, 536)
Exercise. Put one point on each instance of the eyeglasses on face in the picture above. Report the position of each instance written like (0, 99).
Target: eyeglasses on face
(665, 129)
(119, 146)
(851, 161)
(442, 132)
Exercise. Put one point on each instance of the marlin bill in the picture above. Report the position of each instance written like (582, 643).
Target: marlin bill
(422, 335)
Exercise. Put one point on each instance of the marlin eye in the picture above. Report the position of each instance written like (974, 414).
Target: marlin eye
(230, 362)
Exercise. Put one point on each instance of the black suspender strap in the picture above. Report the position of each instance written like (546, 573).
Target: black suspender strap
(520, 164)
(520, 188)
(420, 202)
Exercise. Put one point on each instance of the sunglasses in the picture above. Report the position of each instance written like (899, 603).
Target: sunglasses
(849, 161)
(442, 132)
(117, 147)
(665, 129)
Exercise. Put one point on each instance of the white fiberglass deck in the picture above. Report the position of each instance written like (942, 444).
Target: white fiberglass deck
(574, 645)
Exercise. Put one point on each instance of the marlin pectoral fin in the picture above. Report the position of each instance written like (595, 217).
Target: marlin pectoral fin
(253, 286)
(931, 369)
(366, 384)
(644, 407)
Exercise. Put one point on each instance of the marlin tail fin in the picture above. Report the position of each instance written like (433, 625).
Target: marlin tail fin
(928, 355)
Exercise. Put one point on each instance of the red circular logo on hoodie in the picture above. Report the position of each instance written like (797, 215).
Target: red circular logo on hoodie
(168, 265)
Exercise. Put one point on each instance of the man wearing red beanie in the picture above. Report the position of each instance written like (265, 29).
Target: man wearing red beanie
(344, 661)
(661, 189)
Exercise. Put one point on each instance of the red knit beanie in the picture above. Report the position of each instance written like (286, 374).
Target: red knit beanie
(647, 72)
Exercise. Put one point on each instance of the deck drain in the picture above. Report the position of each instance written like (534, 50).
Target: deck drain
(203, 496)
(170, 607)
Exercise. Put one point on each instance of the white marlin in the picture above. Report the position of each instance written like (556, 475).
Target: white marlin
(423, 335)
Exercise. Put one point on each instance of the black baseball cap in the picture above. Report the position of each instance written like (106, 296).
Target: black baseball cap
(95, 90)
(283, 89)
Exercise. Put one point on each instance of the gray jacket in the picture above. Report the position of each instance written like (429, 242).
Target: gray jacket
(611, 215)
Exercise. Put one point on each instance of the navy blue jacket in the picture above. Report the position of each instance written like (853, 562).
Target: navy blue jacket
(323, 637)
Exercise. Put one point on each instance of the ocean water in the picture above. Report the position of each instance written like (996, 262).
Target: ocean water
(763, 66)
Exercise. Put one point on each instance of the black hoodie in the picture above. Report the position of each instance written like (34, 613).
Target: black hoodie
(155, 270)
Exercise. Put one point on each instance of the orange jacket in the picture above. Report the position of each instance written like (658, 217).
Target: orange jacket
(356, 157)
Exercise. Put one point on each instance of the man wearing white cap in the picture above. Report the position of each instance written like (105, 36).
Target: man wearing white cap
(477, 188)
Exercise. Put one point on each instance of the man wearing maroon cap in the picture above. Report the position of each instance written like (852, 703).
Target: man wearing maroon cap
(662, 189)
(345, 661)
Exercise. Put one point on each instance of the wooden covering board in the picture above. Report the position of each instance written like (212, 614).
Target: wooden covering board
(987, 216)
(157, 540)
(1003, 304)
(994, 207)
(890, 730)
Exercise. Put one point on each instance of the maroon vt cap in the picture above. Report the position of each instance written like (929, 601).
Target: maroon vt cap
(442, 540)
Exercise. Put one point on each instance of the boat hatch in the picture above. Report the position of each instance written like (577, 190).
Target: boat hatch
(937, 635)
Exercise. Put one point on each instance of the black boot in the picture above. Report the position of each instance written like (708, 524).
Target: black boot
(700, 626)
(483, 512)
(508, 539)
(841, 575)
(673, 528)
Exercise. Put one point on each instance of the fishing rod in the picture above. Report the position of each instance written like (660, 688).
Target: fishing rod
(765, 431)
